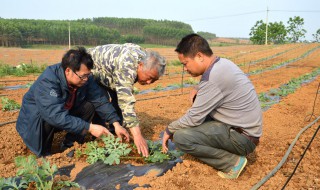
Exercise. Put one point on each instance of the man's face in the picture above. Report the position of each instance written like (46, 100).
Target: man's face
(78, 78)
(192, 65)
(146, 76)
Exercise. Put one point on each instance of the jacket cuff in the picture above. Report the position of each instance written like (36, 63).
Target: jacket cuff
(168, 132)
(113, 120)
(87, 126)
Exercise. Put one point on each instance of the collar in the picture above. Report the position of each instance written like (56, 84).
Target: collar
(206, 74)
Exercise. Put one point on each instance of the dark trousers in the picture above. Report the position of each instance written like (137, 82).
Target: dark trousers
(85, 111)
(114, 101)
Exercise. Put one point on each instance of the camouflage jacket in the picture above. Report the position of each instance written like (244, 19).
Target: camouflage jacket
(115, 67)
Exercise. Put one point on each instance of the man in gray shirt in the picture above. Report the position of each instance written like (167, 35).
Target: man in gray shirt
(224, 123)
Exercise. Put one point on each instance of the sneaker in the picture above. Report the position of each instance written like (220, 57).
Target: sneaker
(236, 170)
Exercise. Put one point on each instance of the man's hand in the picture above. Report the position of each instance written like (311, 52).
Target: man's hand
(121, 132)
(98, 130)
(139, 141)
(165, 139)
(192, 95)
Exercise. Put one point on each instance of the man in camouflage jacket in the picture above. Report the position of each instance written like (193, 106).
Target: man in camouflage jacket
(116, 68)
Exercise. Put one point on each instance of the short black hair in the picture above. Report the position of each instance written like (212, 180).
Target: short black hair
(75, 57)
(191, 44)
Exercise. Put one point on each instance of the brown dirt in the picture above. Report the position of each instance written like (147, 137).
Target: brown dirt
(282, 122)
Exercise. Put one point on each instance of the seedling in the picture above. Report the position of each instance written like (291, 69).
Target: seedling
(113, 150)
(21, 70)
(158, 87)
(110, 153)
(156, 154)
(9, 105)
(42, 176)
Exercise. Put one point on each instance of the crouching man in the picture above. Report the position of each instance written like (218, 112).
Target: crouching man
(65, 97)
(225, 121)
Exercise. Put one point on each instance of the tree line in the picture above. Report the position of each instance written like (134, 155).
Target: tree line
(95, 31)
(278, 33)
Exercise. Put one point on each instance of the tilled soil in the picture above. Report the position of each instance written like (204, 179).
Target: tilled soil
(282, 122)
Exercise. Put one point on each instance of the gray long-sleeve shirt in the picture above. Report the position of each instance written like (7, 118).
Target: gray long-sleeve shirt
(227, 95)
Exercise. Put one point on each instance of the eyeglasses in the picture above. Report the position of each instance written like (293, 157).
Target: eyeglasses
(83, 77)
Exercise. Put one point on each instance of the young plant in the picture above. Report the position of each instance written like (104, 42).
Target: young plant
(158, 87)
(115, 149)
(191, 81)
(30, 172)
(12, 183)
(110, 153)
(94, 152)
(156, 154)
(8, 105)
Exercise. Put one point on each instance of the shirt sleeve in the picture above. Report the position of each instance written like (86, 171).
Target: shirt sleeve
(209, 97)
(102, 106)
(124, 81)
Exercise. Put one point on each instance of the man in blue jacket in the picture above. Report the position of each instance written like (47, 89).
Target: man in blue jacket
(65, 97)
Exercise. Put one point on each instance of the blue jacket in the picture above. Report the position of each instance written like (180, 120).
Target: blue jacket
(45, 101)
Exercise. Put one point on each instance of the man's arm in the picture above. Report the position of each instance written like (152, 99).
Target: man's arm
(208, 99)
(126, 103)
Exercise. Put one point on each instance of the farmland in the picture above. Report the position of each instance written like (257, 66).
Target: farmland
(268, 67)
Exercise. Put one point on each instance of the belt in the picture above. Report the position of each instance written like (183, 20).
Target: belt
(254, 140)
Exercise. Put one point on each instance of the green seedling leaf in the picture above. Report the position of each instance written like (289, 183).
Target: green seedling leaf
(9, 105)
(30, 171)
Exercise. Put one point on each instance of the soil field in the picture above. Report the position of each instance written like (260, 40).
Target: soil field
(281, 123)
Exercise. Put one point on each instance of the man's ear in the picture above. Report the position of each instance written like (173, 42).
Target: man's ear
(67, 71)
(200, 56)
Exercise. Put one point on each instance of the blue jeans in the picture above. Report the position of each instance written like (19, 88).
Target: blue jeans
(214, 143)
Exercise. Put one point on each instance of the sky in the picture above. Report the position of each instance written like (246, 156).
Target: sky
(225, 18)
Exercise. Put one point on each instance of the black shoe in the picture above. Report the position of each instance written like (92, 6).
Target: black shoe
(64, 147)
(70, 154)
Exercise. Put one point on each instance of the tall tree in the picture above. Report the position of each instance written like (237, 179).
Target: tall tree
(317, 36)
(276, 33)
(258, 33)
(295, 29)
